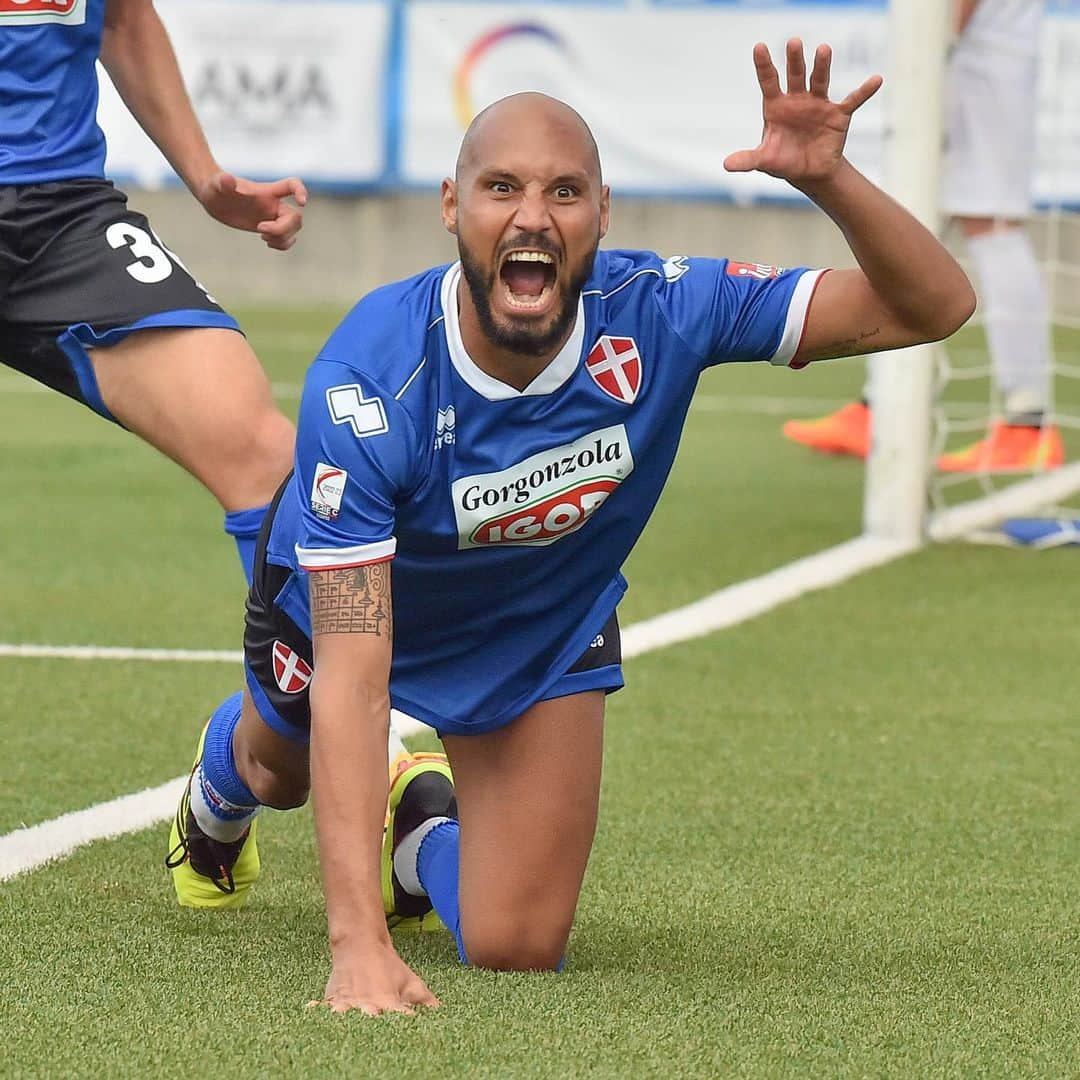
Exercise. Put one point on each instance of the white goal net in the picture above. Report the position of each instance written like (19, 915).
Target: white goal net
(947, 395)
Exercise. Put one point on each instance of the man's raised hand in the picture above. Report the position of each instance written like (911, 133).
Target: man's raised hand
(804, 135)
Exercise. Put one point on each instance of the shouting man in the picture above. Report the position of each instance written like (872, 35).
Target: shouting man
(479, 449)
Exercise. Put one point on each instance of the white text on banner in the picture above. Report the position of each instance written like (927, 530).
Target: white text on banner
(280, 88)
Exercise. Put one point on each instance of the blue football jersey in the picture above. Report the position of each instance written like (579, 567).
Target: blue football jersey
(49, 90)
(508, 513)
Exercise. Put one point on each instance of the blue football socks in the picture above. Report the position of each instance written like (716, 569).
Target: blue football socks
(243, 526)
(437, 864)
(437, 868)
(221, 802)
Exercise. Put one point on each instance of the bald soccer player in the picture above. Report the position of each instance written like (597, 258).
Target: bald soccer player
(479, 448)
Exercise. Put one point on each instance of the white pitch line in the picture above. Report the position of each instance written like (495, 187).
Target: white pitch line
(35, 845)
(110, 652)
(748, 599)
(31, 847)
(26, 849)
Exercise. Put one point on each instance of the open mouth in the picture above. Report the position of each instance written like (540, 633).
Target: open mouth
(528, 280)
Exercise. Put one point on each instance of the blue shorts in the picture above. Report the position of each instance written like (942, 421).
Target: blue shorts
(279, 659)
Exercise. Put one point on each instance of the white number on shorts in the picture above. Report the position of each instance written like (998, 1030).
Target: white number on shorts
(151, 264)
(180, 262)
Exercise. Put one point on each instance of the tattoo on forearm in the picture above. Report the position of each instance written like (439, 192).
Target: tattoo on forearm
(353, 601)
(854, 346)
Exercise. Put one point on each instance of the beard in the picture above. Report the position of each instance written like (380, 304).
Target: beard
(523, 335)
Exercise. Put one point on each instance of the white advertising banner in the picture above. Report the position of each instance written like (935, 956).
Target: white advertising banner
(668, 93)
(670, 90)
(281, 88)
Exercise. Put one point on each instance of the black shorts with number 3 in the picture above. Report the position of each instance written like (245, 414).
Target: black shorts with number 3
(79, 269)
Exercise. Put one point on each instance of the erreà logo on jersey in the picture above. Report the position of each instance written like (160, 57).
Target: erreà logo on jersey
(546, 496)
(35, 12)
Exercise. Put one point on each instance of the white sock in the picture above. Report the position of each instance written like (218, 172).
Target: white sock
(394, 745)
(406, 853)
(1015, 308)
(226, 829)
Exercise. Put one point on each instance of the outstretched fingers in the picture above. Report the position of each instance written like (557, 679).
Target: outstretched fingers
(767, 76)
(741, 161)
(860, 96)
(796, 67)
(819, 77)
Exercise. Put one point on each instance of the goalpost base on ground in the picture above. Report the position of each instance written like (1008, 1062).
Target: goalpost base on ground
(1023, 499)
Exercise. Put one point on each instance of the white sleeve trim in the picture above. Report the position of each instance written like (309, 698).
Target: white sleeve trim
(343, 558)
(795, 324)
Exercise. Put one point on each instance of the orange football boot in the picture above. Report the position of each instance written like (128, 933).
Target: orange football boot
(846, 431)
(1008, 448)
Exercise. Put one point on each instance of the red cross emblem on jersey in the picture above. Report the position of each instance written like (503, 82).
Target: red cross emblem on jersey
(615, 366)
(291, 671)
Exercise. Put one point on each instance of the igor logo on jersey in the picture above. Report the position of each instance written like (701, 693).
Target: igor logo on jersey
(34, 12)
(759, 271)
(615, 366)
(546, 496)
(292, 672)
(327, 489)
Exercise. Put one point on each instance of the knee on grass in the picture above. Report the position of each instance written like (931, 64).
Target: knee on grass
(517, 945)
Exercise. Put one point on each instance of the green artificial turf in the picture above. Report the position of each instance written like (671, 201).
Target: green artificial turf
(839, 840)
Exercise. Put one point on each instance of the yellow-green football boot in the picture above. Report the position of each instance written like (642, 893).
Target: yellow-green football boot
(208, 873)
(421, 787)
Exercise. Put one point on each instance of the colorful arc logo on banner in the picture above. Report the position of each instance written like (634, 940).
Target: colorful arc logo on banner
(463, 102)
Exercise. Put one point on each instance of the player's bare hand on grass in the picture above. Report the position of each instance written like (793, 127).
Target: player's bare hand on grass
(257, 207)
(374, 982)
(805, 132)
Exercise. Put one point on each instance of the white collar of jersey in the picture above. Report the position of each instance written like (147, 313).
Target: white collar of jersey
(547, 382)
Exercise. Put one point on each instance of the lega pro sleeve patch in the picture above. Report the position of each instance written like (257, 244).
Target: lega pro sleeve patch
(327, 489)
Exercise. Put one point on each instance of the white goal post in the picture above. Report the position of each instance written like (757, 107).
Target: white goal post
(902, 383)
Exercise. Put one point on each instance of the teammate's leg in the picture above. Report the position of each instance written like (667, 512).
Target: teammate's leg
(200, 396)
(1016, 316)
(844, 431)
(100, 309)
(1015, 312)
(506, 880)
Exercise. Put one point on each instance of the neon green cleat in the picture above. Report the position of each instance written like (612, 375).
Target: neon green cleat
(208, 873)
(421, 787)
